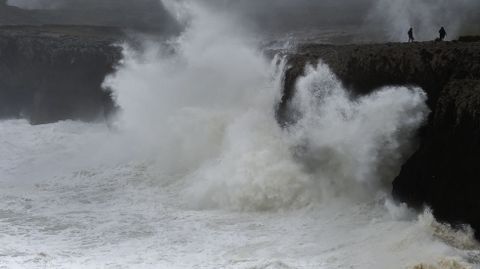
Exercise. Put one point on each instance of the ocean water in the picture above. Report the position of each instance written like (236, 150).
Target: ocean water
(63, 207)
(195, 172)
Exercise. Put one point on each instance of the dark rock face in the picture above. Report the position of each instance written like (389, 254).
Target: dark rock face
(56, 73)
(363, 68)
(445, 171)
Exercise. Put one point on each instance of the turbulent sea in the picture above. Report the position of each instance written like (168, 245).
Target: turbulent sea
(195, 171)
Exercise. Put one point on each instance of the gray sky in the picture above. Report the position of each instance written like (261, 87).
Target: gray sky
(394, 17)
(381, 19)
(139, 14)
(389, 19)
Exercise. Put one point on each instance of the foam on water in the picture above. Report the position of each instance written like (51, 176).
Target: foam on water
(198, 174)
(122, 214)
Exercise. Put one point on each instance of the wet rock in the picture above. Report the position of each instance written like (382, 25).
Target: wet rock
(54, 73)
(444, 172)
(469, 38)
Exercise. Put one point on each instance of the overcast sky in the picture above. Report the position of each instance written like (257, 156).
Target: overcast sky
(389, 18)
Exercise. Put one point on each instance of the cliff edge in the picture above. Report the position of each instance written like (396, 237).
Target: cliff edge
(444, 173)
(51, 73)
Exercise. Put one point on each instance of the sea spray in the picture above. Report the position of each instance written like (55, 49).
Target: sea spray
(198, 132)
(341, 146)
(354, 144)
(177, 106)
(206, 113)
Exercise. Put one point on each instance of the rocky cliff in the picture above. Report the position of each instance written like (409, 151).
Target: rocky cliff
(53, 73)
(444, 173)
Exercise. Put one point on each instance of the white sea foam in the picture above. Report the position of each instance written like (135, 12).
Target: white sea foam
(207, 112)
(198, 174)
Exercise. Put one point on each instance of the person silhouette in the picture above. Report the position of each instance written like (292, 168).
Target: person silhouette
(410, 35)
(442, 33)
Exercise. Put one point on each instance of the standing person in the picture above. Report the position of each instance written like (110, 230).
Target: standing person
(410, 35)
(442, 33)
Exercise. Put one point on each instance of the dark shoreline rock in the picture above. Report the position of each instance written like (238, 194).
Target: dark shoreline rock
(52, 73)
(470, 38)
(444, 173)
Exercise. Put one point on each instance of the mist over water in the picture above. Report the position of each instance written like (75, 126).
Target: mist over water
(196, 172)
(208, 112)
(354, 144)
(342, 20)
(136, 15)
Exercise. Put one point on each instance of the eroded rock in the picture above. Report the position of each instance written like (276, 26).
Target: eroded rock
(444, 172)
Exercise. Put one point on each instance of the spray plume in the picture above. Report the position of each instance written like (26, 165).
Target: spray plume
(206, 112)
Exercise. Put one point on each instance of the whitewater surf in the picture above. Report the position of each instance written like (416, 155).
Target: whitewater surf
(196, 172)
